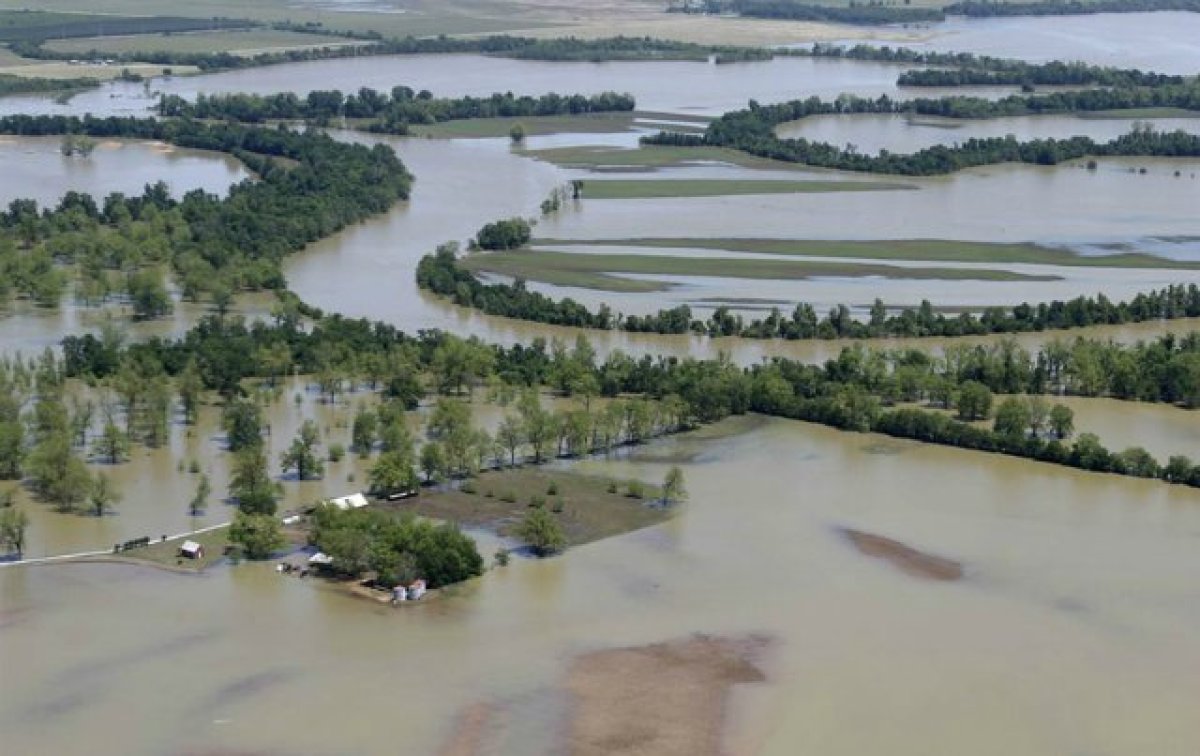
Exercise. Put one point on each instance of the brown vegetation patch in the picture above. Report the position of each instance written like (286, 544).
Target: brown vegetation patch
(909, 560)
(661, 699)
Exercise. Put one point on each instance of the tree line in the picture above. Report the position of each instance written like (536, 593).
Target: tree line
(753, 131)
(392, 112)
(441, 274)
(306, 186)
(868, 13)
(990, 9)
(11, 84)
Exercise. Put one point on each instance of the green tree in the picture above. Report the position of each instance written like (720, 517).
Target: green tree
(112, 445)
(191, 388)
(148, 295)
(433, 462)
(104, 495)
(12, 449)
(56, 474)
(364, 432)
(258, 534)
(517, 133)
(541, 531)
(974, 401)
(13, 524)
(673, 488)
(250, 484)
(538, 425)
(243, 425)
(393, 473)
(301, 456)
(1013, 418)
(199, 501)
(1062, 421)
(510, 435)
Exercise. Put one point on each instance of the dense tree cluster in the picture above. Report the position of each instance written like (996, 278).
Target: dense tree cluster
(306, 186)
(391, 113)
(11, 84)
(24, 25)
(398, 549)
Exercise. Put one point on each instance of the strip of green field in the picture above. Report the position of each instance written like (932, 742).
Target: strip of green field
(933, 250)
(479, 128)
(603, 271)
(653, 156)
(248, 42)
(659, 189)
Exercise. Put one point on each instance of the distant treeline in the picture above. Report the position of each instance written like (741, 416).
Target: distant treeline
(393, 113)
(25, 25)
(16, 85)
(863, 14)
(753, 131)
(307, 186)
(441, 274)
(985, 9)
(562, 49)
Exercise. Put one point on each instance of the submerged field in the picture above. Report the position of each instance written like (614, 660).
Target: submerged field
(933, 250)
(602, 271)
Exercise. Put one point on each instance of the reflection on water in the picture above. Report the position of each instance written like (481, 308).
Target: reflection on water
(1074, 615)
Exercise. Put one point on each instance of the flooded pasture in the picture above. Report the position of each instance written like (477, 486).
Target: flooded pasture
(1073, 615)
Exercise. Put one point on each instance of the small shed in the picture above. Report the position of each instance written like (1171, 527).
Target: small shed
(353, 501)
(192, 550)
(320, 559)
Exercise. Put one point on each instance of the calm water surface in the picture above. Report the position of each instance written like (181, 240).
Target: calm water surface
(1075, 619)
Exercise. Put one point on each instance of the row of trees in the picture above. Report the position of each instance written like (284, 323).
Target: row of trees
(868, 13)
(442, 274)
(392, 113)
(989, 9)
(213, 245)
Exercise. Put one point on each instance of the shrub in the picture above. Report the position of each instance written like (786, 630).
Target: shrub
(634, 489)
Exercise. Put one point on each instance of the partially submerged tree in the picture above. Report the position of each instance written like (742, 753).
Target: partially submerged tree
(540, 529)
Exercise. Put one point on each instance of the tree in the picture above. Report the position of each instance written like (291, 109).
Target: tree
(112, 445)
(243, 425)
(13, 524)
(250, 484)
(673, 489)
(301, 455)
(12, 449)
(510, 435)
(537, 424)
(191, 387)
(364, 432)
(517, 133)
(56, 474)
(103, 495)
(433, 461)
(1062, 421)
(199, 501)
(541, 531)
(1013, 418)
(393, 473)
(148, 295)
(974, 401)
(257, 534)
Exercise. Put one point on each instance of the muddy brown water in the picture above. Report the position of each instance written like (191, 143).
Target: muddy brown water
(1074, 619)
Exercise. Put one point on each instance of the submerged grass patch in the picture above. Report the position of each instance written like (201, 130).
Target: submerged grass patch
(655, 156)
(585, 123)
(589, 510)
(598, 271)
(659, 189)
(934, 250)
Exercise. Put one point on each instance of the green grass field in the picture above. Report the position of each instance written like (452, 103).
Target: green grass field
(654, 156)
(658, 189)
(1129, 113)
(933, 250)
(602, 272)
(477, 128)
(589, 510)
(246, 42)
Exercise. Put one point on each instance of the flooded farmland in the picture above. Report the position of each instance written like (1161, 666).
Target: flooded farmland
(1068, 629)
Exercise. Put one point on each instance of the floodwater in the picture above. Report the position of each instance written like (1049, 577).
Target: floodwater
(901, 134)
(1075, 619)
(1163, 42)
(35, 168)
